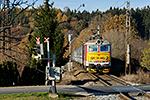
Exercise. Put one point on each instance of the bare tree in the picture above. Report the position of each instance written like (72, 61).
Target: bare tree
(7, 20)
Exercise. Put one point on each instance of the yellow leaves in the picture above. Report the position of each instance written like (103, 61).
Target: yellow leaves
(116, 22)
(19, 25)
(18, 10)
(146, 58)
(74, 21)
(65, 37)
(31, 24)
(119, 23)
(64, 18)
(39, 13)
(59, 17)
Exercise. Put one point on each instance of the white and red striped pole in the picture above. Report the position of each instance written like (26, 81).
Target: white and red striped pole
(48, 62)
(38, 42)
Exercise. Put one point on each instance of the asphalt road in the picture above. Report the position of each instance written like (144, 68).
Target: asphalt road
(82, 90)
(86, 90)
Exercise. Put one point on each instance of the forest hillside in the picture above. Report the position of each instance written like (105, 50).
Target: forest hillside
(57, 24)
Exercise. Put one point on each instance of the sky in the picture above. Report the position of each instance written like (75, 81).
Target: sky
(93, 5)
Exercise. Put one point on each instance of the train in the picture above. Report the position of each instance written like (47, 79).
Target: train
(94, 55)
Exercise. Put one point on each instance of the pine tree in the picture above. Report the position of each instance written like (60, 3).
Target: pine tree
(46, 25)
(146, 23)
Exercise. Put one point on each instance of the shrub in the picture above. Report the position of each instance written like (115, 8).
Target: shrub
(146, 58)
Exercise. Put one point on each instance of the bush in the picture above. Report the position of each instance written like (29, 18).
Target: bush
(8, 73)
(146, 58)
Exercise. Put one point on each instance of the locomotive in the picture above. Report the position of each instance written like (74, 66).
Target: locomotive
(94, 55)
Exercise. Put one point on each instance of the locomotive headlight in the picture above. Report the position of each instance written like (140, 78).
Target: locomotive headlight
(104, 58)
(92, 57)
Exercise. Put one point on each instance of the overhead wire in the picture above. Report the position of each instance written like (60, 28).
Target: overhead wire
(123, 4)
(118, 2)
(115, 3)
(118, 7)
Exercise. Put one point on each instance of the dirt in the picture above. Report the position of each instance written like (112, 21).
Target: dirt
(76, 77)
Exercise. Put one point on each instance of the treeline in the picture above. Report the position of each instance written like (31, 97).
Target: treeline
(76, 20)
(140, 16)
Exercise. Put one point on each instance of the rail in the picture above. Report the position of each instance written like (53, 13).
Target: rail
(124, 83)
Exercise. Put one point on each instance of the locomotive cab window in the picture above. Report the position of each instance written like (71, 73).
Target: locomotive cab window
(105, 48)
(92, 48)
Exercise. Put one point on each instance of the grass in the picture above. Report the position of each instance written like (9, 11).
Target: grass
(37, 96)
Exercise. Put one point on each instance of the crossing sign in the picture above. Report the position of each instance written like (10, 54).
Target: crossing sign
(46, 39)
(38, 40)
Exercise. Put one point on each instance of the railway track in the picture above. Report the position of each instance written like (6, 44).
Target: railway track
(125, 89)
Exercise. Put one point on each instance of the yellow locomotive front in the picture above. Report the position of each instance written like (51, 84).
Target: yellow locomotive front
(98, 56)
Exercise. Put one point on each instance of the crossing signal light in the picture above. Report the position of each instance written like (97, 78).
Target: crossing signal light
(38, 50)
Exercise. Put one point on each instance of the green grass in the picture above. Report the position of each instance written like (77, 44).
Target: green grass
(37, 96)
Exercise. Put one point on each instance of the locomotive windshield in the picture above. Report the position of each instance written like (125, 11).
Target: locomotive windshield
(105, 48)
(92, 48)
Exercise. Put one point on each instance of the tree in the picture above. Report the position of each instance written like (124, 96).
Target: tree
(119, 23)
(46, 26)
(11, 15)
(146, 23)
(146, 58)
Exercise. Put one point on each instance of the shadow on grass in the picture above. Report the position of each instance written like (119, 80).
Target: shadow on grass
(68, 95)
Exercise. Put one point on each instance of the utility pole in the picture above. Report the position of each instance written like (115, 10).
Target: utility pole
(128, 40)
(69, 65)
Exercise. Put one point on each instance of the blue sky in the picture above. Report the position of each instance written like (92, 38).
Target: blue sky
(93, 5)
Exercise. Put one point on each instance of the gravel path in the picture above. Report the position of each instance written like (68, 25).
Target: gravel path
(110, 97)
(102, 97)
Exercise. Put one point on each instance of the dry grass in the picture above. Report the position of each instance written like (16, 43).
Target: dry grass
(141, 77)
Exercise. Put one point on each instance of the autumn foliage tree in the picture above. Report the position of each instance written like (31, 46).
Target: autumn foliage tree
(119, 23)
